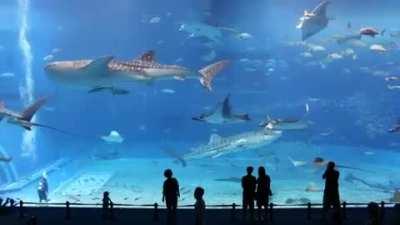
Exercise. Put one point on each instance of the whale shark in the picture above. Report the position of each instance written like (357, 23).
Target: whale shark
(222, 114)
(219, 146)
(315, 21)
(106, 71)
(24, 118)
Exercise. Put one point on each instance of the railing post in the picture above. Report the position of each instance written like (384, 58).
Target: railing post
(233, 212)
(156, 216)
(309, 211)
(382, 214)
(67, 211)
(344, 210)
(271, 212)
(21, 209)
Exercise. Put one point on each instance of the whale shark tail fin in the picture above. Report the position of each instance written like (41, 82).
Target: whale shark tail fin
(29, 112)
(208, 73)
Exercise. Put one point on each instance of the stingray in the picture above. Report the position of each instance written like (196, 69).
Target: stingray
(315, 21)
(222, 114)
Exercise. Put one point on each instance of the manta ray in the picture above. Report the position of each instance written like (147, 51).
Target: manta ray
(23, 119)
(315, 21)
(222, 114)
(107, 71)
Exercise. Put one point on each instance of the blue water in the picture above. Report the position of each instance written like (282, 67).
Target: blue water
(271, 73)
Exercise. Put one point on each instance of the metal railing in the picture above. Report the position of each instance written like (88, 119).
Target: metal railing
(156, 208)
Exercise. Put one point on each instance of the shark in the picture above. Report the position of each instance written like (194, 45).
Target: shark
(222, 114)
(24, 118)
(107, 71)
(219, 146)
(315, 21)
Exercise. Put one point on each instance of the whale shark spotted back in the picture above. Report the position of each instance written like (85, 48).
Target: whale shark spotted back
(106, 70)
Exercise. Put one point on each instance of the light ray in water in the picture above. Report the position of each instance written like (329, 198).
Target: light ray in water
(27, 89)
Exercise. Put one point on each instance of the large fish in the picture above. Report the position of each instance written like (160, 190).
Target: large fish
(107, 71)
(219, 146)
(315, 21)
(24, 118)
(222, 114)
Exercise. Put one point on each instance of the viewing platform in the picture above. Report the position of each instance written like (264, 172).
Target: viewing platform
(80, 214)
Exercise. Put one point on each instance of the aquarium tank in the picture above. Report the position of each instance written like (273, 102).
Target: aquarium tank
(102, 95)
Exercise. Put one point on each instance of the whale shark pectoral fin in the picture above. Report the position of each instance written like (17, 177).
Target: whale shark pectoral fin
(99, 66)
(149, 56)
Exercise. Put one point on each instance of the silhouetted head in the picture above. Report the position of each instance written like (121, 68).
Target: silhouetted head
(249, 170)
(331, 165)
(106, 194)
(198, 193)
(261, 171)
(373, 210)
(168, 173)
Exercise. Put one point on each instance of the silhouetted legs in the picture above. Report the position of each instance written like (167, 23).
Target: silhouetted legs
(248, 204)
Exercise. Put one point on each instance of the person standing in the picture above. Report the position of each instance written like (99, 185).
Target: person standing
(199, 206)
(170, 191)
(331, 190)
(43, 188)
(263, 192)
(249, 189)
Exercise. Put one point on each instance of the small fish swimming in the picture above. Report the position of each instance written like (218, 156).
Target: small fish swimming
(371, 31)
(168, 91)
(378, 48)
(113, 90)
(7, 75)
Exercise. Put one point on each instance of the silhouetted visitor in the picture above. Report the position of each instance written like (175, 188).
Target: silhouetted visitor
(373, 214)
(263, 192)
(199, 206)
(395, 217)
(43, 188)
(106, 205)
(249, 188)
(170, 191)
(331, 191)
(32, 221)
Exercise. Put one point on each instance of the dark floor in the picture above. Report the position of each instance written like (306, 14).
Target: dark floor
(83, 216)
